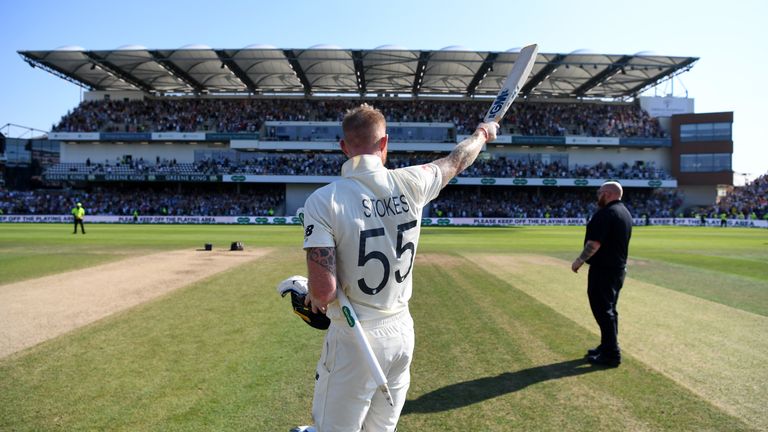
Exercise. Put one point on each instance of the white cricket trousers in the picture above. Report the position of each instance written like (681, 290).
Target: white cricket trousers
(346, 396)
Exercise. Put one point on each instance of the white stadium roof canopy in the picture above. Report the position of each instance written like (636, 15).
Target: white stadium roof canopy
(325, 69)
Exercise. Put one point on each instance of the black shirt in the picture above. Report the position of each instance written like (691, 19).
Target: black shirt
(611, 226)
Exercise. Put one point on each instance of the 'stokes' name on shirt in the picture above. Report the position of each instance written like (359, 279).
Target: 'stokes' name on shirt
(381, 207)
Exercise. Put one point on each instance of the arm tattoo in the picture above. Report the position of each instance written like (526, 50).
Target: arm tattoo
(325, 257)
(462, 156)
(465, 153)
(589, 249)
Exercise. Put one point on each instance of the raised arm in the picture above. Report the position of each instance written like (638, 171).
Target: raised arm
(465, 153)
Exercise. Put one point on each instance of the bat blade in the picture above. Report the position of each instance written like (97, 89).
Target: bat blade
(365, 347)
(512, 85)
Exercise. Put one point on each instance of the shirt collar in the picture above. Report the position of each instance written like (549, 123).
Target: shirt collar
(360, 164)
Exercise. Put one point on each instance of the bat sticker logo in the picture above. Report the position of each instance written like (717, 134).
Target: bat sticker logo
(501, 99)
(348, 316)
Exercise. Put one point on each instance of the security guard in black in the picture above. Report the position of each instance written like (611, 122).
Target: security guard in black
(606, 246)
(612, 227)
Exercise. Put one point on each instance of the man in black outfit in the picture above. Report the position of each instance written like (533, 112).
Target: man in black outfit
(605, 250)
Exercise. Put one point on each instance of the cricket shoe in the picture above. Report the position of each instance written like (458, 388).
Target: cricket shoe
(303, 429)
(594, 351)
(604, 360)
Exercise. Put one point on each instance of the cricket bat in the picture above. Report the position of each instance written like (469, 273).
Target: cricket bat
(365, 346)
(512, 85)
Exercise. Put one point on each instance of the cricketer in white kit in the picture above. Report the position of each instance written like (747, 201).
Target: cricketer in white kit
(361, 235)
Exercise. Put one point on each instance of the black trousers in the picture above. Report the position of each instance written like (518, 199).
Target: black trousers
(79, 222)
(604, 285)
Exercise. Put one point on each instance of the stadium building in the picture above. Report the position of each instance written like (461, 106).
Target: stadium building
(263, 123)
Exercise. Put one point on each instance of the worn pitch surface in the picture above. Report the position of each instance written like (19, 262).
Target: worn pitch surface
(33, 311)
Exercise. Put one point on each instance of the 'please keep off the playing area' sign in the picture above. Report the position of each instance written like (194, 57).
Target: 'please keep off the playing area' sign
(292, 220)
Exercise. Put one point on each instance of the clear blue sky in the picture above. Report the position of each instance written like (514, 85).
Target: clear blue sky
(729, 37)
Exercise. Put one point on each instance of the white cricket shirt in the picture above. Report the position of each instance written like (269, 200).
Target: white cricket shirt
(373, 218)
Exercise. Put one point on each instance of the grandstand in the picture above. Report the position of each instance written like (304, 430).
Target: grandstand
(175, 127)
(2, 159)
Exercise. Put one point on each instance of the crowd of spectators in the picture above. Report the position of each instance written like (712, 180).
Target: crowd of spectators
(525, 166)
(329, 164)
(454, 201)
(746, 202)
(546, 203)
(248, 115)
(306, 164)
(265, 201)
(133, 166)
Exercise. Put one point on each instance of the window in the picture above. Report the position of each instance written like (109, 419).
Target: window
(705, 132)
(687, 132)
(721, 131)
(721, 162)
(18, 152)
(705, 162)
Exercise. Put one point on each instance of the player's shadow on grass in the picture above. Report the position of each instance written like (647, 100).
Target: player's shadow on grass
(470, 392)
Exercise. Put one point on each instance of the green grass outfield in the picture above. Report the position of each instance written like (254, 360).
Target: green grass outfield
(501, 325)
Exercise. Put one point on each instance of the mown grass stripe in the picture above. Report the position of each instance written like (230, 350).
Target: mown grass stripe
(19, 265)
(745, 293)
(747, 267)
